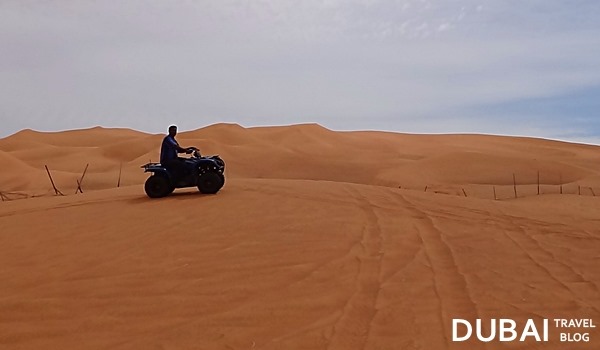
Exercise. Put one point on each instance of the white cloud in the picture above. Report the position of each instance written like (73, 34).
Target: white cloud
(400, 65)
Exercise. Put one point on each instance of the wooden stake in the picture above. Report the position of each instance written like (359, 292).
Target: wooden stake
(579, 190)
(120, 168)
(425, 188)
(538, 182)
(79, 182)
(84, 171)
(495, 198)
(515, 184)
(561, 184)
(594, 194)
(56, 191)
(465, 193)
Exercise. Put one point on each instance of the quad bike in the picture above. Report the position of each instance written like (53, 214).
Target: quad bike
(206, 173)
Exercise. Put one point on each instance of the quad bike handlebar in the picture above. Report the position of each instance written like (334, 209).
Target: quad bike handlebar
(194, 151)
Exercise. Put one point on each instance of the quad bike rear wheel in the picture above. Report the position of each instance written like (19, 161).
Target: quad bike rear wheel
(158, 187)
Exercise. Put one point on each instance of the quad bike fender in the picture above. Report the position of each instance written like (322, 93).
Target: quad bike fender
(160, 172)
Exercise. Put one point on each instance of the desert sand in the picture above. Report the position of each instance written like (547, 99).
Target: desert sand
(319, 240)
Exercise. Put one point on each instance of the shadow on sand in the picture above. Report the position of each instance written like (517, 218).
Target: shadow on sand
(183, 195)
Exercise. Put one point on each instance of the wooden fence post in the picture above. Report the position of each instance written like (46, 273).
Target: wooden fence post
(56, 191)
(495, 198)
(79, 182)
(538, 182)
(593, 193)
(561, 184)
(515, 184)
(119, 181)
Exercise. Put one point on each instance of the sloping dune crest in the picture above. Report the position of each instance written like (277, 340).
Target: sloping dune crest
(310, 151)
(311, 244)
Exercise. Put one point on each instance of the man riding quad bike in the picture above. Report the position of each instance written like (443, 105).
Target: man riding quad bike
(206, 173)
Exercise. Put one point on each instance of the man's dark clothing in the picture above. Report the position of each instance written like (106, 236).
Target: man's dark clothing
(168, 150)
(169, 158)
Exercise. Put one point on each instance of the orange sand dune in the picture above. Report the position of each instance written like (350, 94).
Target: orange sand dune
(311, 152)
(310, 244)
(72, 138)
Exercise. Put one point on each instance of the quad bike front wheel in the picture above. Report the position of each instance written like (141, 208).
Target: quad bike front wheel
(158, 187)
(210, 183)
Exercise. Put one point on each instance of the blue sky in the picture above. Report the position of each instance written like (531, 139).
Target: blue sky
(488, 66)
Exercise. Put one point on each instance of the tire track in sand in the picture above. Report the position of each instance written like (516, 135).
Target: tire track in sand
(559, 272)
(450, 284)
(351, 330)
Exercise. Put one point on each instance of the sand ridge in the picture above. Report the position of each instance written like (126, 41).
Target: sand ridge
(308, 151)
